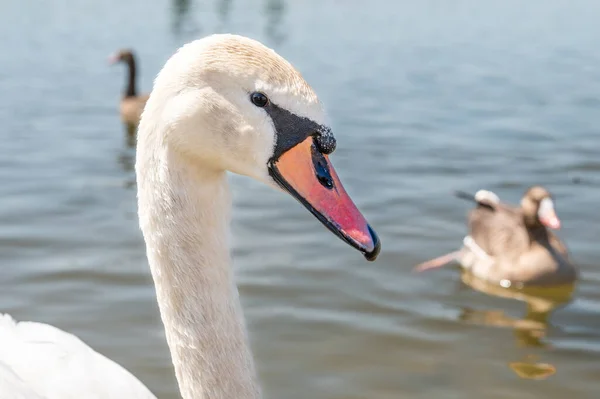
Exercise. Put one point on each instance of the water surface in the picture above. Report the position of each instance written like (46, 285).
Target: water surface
(424, 98)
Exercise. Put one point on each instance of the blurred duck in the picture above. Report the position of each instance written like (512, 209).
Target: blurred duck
(132, 103)
(512, 245)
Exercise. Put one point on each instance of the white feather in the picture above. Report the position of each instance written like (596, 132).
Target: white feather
(485, 195)
(41, 361)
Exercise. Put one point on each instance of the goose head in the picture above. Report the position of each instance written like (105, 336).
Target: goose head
(123, 55)
(538, 208)
(228, 103)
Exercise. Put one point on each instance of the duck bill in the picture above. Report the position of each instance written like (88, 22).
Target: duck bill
(308, 175)
(550, 220)
(547, 215)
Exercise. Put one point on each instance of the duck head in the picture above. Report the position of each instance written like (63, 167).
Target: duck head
(228, 103)
(538, 208)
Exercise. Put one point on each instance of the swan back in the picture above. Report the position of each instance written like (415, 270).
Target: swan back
(39, 359)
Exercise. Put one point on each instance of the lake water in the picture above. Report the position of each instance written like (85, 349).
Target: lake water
(424, 97)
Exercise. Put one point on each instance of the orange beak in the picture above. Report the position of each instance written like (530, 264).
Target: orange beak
(307, 174)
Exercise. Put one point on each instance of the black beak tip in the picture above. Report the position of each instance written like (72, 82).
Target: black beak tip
(372, 255)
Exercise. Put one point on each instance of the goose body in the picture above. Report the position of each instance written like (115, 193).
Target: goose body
(513, 244)
(221, 104)
(131, 108)
(132, 104)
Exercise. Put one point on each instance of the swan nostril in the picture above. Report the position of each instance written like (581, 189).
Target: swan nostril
(321, 167)
(325, 181)
(323, 175)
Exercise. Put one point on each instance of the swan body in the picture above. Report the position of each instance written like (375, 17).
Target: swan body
(221, 104)
(41, 361)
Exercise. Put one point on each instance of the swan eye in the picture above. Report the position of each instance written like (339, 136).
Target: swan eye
(259, 99)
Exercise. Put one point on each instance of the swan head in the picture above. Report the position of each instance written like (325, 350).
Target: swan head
(228, 103)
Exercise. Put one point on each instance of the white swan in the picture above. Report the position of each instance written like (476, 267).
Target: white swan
(223, 103)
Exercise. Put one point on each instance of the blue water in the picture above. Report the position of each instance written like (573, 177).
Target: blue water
(424, 98)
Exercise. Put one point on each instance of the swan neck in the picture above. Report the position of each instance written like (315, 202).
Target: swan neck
(184, 215)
